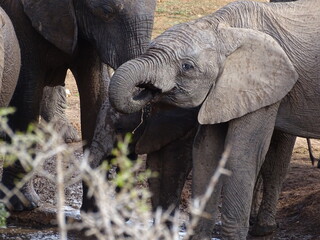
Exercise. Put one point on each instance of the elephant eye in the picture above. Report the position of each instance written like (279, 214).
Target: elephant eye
(187, 66)
(105, 11)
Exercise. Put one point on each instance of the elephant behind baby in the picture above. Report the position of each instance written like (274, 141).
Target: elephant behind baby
(10, 61)
(78, 35)
(250, 69)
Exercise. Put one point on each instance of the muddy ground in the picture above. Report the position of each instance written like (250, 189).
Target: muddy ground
(298, 207)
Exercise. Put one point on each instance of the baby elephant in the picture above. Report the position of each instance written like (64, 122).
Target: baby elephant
(254, 70)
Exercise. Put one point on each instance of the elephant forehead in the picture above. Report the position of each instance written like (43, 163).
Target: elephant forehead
(184, 39)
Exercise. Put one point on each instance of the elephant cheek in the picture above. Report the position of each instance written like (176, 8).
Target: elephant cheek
(183, 100)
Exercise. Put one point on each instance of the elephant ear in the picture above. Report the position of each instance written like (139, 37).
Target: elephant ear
(55, 20)
(256, 73)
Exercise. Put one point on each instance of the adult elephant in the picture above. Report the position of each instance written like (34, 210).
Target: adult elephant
(10, 62)
(9, 59)
(79, 35)
(250, 68)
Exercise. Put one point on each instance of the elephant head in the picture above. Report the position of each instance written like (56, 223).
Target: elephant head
(227, 71)
(119, 29)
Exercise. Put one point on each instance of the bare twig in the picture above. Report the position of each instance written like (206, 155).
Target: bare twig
(114, 210)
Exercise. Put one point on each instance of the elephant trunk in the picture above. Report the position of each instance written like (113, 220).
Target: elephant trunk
(131, 87)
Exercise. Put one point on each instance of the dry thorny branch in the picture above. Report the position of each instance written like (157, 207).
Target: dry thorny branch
(122, 215)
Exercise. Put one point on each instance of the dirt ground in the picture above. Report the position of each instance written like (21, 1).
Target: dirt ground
(298, 207)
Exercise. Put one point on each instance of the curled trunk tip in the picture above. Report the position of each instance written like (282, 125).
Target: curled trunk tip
(124, 87)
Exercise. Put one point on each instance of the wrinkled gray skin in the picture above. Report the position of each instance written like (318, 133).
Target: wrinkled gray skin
(9, 59)
(269, 183)
(10, 62)
(79, 35)
(52, 109)
(250, 68)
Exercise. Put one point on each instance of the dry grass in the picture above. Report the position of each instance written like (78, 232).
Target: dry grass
(171, 12)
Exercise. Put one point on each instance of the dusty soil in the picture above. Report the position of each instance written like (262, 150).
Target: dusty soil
(298, 208)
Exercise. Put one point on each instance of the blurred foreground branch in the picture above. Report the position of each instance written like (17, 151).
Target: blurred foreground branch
(123, 202)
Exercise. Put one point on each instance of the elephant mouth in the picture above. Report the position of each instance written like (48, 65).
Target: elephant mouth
(144, 90)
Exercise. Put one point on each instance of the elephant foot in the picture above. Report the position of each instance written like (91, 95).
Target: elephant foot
(203, 231)
(69, 133)
(201, 236)
(265, 223)
(88, 202)
(263, 230)
(28, 202)
(88, 205)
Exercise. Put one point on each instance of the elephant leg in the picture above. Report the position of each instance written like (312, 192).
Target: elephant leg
(249, 139)
(53, 106)
(273, 172)
(105, 132)
(10, 176)
(256, 199)
(207, 151)
(26, 101)
(173, 163)
(87, 70)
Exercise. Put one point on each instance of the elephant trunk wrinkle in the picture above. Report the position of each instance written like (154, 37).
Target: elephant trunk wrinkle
(138, 34)
(127, 39)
